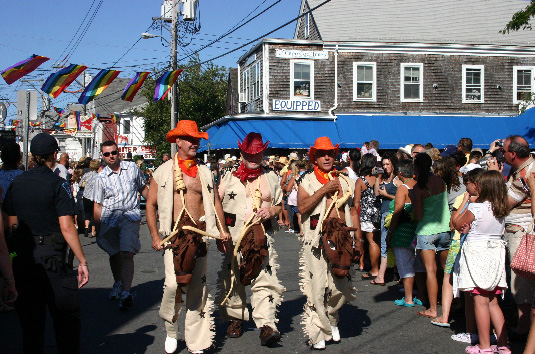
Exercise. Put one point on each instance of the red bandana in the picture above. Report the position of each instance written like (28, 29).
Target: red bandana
(244, 173)
(320, 175)
(189, 167)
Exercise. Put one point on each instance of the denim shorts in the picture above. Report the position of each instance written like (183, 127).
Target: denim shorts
(436, 242)
(383, 235)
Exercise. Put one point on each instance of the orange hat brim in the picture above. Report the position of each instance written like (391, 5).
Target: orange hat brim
(313, 150)
(175, 133)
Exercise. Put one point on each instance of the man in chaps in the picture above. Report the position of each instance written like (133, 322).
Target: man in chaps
(325, 292)
(183, 190)
(251, 197)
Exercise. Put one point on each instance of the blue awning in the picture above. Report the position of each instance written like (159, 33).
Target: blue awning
(392, 131)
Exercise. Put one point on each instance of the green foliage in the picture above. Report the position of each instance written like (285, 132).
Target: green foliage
(521, 19)
(202, 97)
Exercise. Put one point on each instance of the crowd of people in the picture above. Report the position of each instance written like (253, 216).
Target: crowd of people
(446, 223)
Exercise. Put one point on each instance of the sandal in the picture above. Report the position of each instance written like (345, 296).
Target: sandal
(368, 275)
(423, 314)
(502, 350)
(373, 282)
(475, 349)
(402, 302)
(436, 322)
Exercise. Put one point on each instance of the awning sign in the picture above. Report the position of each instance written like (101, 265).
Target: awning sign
(297, 105)
(300, 54)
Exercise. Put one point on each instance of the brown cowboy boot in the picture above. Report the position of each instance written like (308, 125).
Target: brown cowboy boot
(234, 329)
(269, 336)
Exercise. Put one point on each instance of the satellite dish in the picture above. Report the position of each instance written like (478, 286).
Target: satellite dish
(3, 112)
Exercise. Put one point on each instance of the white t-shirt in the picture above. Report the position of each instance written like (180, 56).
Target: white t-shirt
(485, 224)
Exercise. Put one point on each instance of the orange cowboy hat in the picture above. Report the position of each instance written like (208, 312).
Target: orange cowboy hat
(322, 143)
(185, 128)
(252, 144)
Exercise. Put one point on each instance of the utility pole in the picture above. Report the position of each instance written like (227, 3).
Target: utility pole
(174, 89)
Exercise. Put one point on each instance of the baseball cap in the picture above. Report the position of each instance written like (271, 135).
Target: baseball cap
(448, 150)
(43, 144)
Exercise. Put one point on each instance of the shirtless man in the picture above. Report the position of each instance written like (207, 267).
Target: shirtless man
(201, 201)
(236, 190)
(325, 293)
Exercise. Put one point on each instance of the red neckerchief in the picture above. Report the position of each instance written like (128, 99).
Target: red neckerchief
(244, 173)
(189, 167)
(320, 175)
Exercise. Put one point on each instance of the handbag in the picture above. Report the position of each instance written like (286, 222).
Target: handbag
(523, 262)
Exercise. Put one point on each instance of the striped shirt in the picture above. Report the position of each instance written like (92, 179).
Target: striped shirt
(520, 214)
(118, 193)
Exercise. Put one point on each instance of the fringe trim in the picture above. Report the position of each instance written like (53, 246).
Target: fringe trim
(278, 288)
(304, 285)
(209, 309)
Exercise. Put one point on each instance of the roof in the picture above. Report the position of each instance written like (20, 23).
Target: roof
(109, 101)
(352, 130)
(429, 21)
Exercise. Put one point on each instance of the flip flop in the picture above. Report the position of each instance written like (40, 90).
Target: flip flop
(373, 282)
(402, 302)
(422, 314)
(436, 322)
(368, 276)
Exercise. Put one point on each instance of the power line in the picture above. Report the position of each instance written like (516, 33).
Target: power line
(262, 36)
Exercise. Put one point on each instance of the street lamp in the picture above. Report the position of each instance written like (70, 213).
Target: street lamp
(174, 89)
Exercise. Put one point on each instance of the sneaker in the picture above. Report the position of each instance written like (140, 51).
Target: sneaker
(269, 336)
(126, 302)
(290, 231)
(115, 292)
(319, 345)
(470, 338)
(336, 333)
(170, 345)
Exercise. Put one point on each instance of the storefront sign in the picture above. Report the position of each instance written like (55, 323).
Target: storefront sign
(146, 151)
(299, 54)
(297, 105)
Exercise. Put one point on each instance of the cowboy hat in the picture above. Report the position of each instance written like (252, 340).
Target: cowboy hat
(407, 149)
(185, 128)
(252, 144)
(322, 143)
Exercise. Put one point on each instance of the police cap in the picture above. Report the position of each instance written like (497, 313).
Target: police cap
(43, 144)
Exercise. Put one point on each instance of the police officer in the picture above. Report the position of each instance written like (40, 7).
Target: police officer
(40, 206)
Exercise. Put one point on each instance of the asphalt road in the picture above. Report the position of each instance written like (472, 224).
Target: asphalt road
(370, 324)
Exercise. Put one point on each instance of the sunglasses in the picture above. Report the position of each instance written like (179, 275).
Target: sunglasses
(107, 154)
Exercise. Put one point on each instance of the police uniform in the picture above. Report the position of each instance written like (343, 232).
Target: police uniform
(43, 275)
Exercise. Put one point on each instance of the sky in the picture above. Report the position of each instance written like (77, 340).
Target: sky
(74, 32)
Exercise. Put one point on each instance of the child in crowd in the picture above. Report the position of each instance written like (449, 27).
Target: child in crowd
(482, 261)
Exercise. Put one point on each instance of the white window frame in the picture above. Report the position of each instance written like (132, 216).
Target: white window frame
(374, 82)
(515, 81)
(482, 98)
(246, 84)
(123, 127)
(402, 82)
(307, 25)
(311, 64)
(257, 80)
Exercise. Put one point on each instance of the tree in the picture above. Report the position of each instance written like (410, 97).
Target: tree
(202, 95)
(521, 19)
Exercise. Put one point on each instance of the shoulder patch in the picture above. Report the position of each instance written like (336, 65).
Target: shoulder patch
(67, 188)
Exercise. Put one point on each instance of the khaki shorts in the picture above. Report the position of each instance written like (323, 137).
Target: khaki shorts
(522, 289)
(123, 237)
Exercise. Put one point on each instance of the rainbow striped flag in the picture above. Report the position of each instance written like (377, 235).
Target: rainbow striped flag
(59, 111)
(115, 118)
(56, 83)
(35, 124)
(95, 115)
(134, 85)
(97, 85)
(15, 72)
(78, 121)
(164, 84)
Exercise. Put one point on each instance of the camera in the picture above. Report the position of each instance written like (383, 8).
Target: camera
(378, 170)
(499, 143)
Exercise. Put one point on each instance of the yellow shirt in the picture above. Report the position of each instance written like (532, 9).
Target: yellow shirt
(456, 204)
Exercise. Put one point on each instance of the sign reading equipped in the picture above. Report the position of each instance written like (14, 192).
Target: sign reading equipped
(296, 105)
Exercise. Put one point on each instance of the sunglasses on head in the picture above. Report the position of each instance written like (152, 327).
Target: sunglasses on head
(108, 153)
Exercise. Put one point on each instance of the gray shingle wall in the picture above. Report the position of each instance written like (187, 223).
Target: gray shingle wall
(427, 21)
(255, 105)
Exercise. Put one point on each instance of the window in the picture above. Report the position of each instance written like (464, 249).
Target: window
(302, 79)
(364, 79)
(411, 82)
(522, 83)
(246, 82)
(473, 83)
(126, 126)
(256, 80)
(307, 25)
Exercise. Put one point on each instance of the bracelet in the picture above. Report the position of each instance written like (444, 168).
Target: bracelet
(83, 265)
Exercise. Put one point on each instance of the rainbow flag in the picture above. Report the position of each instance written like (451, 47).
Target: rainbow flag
(56, 83)
(78, 121)
(97, 85)
(164, 84)
(35, 124)
(15, 123)
(134, 85)
(95, 116)
(115, 118)
(59, 111)
(15, 72)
